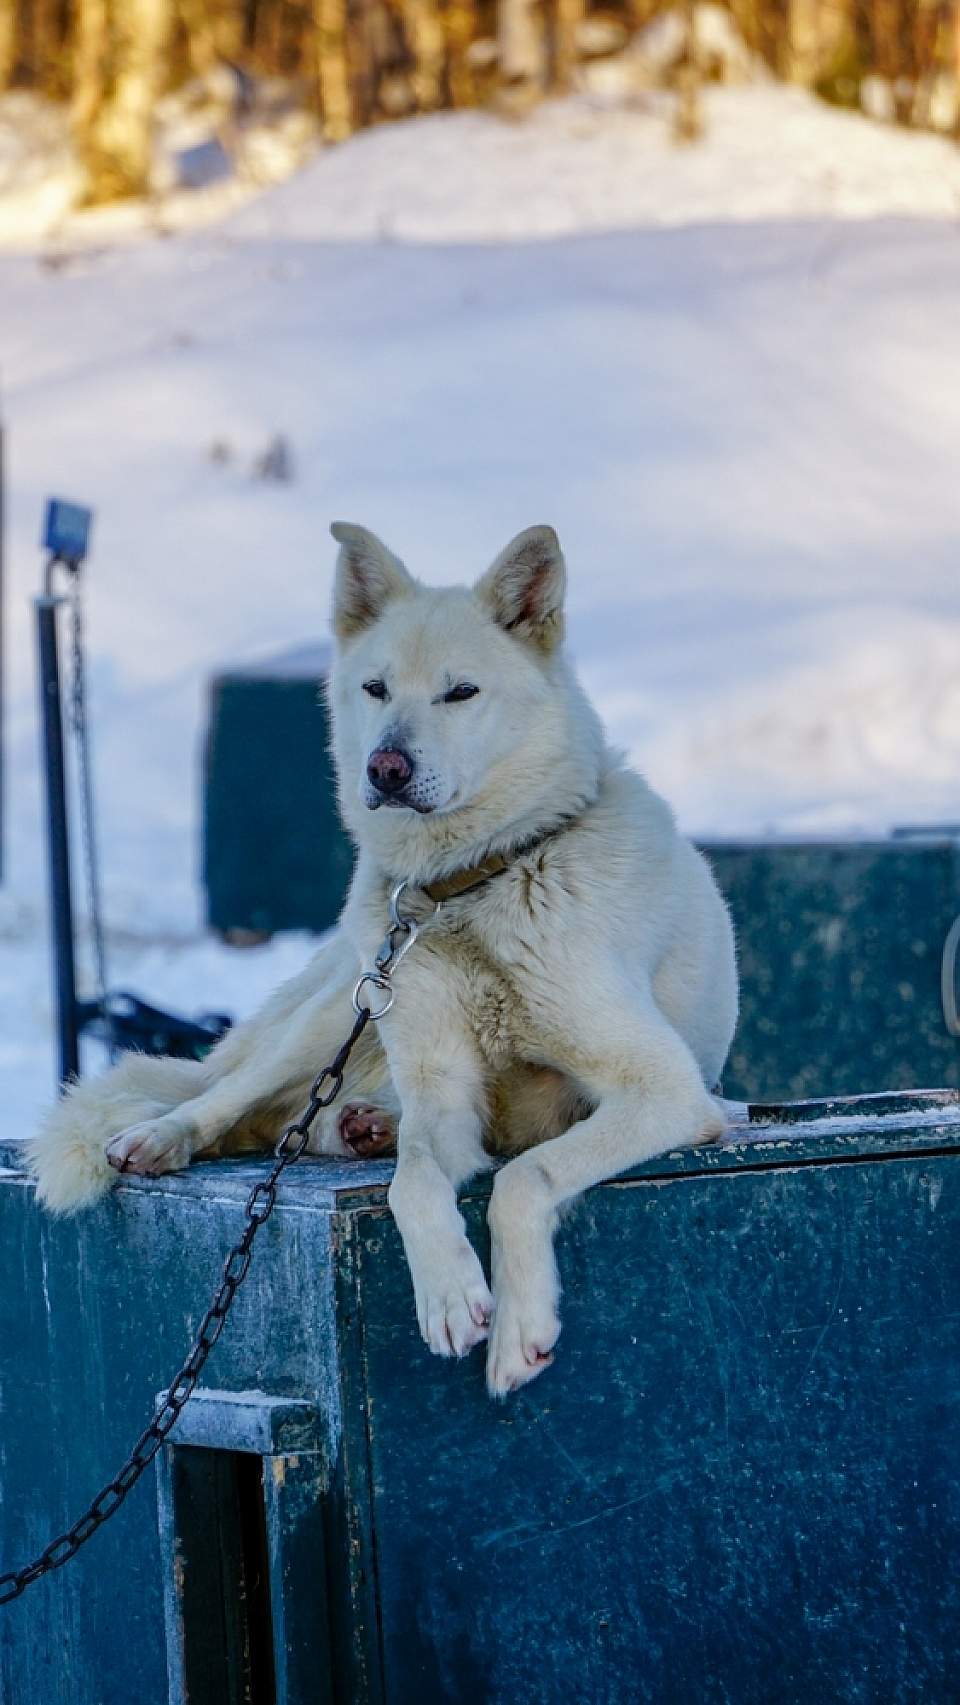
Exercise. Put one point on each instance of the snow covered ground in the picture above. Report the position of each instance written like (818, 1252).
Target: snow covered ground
(726, 373)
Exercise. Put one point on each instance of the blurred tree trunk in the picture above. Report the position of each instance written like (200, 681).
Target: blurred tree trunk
(227, 21)
(198, 29)
(923, 36)
(333, 73)
(803, 39)
(34, 32)
(89, 66)
(885, 33)
(362, 59)
(118, 66)
(428, 45)
(639, 13)
(269, 36)
(688, 115)
(521, 52)
(47, 47)
(8, 41)
(458, 20)
(566, 17)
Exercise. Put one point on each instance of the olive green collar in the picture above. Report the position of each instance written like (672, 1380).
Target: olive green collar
(475, 875)
(464, 881)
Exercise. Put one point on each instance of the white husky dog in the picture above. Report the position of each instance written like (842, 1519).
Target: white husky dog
(569, 1006)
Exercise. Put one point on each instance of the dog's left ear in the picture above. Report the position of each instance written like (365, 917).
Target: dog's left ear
(368, 576)
(523, 589)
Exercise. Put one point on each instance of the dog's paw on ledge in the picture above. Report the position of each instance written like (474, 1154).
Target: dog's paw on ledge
(367, 1131)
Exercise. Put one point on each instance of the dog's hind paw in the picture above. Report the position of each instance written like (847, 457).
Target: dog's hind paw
(367, 1131)
(522, 1341)
(158, 1145)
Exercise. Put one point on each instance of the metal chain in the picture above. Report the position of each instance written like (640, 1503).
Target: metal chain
(259, 1206)
(77, 708)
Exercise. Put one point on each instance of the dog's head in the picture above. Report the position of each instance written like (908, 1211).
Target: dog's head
(448, 702)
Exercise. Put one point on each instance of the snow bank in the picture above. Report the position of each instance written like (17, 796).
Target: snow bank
(590, 163)
(580, 165)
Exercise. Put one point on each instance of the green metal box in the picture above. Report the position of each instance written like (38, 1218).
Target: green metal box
(274, 854)
(846, 964)
(737, 1484)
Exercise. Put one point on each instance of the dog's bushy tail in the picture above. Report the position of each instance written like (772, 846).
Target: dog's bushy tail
(67, 1157)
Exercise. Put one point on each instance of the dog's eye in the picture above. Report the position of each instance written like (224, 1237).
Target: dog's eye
(376, 689)
(457, 695)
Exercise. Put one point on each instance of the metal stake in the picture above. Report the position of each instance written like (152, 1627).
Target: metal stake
(58, 843)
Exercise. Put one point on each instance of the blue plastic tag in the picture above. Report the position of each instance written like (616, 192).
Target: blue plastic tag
(66, 529)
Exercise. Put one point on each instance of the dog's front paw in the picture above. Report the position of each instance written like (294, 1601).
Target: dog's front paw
(158, 1145)
(525, 1324)
(522, 1339)
(454, 1305)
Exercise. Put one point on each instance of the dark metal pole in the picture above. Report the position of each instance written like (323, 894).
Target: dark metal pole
(58, 845)
(3, 528)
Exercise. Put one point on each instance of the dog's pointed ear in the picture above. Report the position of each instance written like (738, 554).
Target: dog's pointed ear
(368, 576)
(523, 589)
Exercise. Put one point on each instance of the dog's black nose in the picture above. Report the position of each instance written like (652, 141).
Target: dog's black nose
(389, 771)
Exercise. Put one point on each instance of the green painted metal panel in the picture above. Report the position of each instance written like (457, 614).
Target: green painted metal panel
(738, 1483)
(741, 1485)
(97, 1314)
(274, 854)
(840, 948)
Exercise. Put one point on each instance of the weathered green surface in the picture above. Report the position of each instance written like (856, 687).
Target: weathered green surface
(840, 949)
(97, 1315)
(274, 856)
(738, 1483)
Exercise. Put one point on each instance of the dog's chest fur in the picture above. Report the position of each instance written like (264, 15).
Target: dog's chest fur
(490, 999)
(497, 941)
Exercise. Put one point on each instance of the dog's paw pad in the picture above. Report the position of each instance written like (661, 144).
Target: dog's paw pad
(367, 1131)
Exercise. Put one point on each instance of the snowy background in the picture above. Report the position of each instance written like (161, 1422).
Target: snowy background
(727, 373)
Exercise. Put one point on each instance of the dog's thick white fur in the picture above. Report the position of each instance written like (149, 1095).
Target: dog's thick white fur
(572, 1014)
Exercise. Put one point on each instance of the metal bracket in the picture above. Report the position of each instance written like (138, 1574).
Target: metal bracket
(948, 978)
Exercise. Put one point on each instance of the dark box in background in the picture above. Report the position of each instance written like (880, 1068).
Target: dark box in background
(274, 854)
